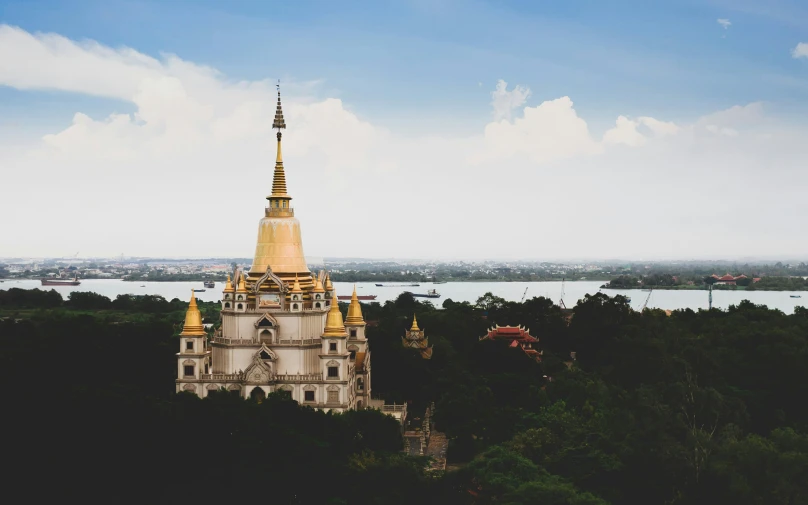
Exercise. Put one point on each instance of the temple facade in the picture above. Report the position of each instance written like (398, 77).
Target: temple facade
(282, 329)
(415, 338)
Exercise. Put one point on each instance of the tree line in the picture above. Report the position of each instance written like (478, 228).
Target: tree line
(692, 408)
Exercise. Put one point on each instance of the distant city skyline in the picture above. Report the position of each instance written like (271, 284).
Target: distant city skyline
(434, 130)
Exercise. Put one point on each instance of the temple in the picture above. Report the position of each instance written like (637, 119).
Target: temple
(515, 336)
(414, 338)
(282, 329)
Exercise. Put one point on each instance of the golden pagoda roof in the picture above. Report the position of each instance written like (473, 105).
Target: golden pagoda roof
(228, 287)
(354, 311)
(334, 327)
(296, 287)
(242, 287)
(193, 320)
(414, 324)
(328, 285)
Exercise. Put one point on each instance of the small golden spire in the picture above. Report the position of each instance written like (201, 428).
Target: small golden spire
(328, 285)
(193, 320)
(242, 287)
(279, 177)
(414, 324)
(318, 285)
(334, 326)
(296, 287)
(228, 288)
(354, 311)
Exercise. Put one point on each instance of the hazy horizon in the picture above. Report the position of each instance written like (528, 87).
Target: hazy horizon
(414, 130)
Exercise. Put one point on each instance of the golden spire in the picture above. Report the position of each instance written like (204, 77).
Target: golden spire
(228, 288)
(354, 311)
(414, 324)
(328, 285)
(334, 326)
(193, 320)
(296, 288)
(279, 177)
(318, 285)
(242, 287)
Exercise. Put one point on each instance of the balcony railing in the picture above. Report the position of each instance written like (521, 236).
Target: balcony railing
(236, 341)
(307, 377)
(222, 376)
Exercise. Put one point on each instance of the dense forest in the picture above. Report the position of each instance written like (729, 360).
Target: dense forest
(694, 408)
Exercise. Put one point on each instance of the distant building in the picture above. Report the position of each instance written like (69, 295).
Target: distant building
(515, 336)
(415, 338)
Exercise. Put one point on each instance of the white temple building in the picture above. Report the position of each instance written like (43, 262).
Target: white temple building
(282, 329)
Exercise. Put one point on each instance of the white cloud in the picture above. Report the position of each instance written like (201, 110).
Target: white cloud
(186, 174)
(504, 101)
(800, 50)
(724, 22)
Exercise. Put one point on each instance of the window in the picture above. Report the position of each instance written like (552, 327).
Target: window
(317, 305)
(227, 305)
(333, 397)
(333, 372)
(360, 384)
(206, 368)
(308, 396)
(189, 345)
(294, 306)
(189, 370)
(239, 306)
(353, 355)
(332, 347)
(353, 332)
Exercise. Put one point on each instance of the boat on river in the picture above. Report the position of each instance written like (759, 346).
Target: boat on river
(796, 296)
(210, 284)
(429, 294)
(358, 297)
(396, 285)
(61, 282)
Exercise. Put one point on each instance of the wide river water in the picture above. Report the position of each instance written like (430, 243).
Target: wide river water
(457, 291)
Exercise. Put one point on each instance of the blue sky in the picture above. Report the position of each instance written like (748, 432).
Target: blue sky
(406, 62)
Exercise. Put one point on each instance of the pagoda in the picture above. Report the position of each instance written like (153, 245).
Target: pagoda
(414, 338)
(282, 329)
(515, 336)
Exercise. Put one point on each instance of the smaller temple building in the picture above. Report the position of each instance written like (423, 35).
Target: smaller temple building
(415, 338)
(515, 336)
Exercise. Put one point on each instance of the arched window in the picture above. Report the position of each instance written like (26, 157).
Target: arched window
(317, 305)
(227, 305)
(294, 297)
(294, 306)
(258, 395)
(360, 384)
(239, 306)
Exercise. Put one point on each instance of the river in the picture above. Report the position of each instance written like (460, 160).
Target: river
(457, 291)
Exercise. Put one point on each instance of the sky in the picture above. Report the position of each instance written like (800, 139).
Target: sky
(435, 129)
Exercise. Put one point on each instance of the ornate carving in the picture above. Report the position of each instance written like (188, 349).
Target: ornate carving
(234, 387)
(266, 318)
(309, 387)
(189, 362)
(212, 387)
(269, 275)
(189, 387)
(332, 363)
(332, 388)
(258, 371)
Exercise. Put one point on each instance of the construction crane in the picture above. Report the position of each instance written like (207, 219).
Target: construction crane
(645, 304)
(561, 301)
(523, 296)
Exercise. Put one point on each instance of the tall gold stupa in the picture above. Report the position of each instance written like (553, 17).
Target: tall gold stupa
(279, 246)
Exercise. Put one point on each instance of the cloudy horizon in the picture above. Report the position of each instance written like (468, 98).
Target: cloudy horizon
(111, 145)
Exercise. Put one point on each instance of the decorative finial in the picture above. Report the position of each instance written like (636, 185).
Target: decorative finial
(279, 123)
(414, 324)
(193, 320)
